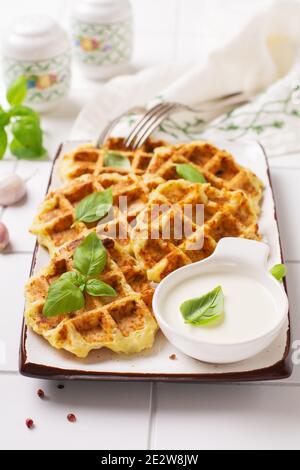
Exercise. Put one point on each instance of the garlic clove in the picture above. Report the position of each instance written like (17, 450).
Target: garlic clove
(12, 189)
(4, 237)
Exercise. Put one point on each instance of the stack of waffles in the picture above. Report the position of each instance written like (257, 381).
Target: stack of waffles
(150, 238)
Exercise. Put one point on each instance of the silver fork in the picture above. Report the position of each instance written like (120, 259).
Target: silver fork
(156, 115)
(112, 124)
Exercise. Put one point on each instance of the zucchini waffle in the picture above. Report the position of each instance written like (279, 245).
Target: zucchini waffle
(180, 238)
(231, 200)
(217, 166)
(158, 159)
(88, 160)
(55, 223)
(124, 324)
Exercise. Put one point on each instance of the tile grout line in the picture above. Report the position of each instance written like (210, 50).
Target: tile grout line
(152, 416)
(10, 373)
(289, 168)
(21, 253)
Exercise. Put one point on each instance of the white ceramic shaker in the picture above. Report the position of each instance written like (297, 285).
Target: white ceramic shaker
(102, 32)
(38, 48)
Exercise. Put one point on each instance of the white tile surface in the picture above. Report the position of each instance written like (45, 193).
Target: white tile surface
(156, 16)
(109, 416)
(21, 8)
(153, 50)
(117, 415)
(286, 161)
(226, 417)
(14, 271)
(294, 298)
(287, 194)
(18, 218)
(208, 16)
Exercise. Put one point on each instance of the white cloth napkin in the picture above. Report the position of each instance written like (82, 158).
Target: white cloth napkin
(263, 60)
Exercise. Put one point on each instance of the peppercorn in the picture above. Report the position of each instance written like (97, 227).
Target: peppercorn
(71, 417)
(29, 423)
(41, 393)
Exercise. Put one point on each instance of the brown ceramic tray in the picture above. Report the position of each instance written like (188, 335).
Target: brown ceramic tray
(39, 360)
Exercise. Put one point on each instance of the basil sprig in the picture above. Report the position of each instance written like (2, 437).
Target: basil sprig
(116, 160)
(98, 288)
(23, 123)
(17, 91)
(94, 207)
(66, 295)
(3, 142)
(279, 271)
(63, 298)
(76, 278)
(190, 173)
(204, 310)
(90, 257)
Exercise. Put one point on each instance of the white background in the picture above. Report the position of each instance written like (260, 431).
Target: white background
(131, 416)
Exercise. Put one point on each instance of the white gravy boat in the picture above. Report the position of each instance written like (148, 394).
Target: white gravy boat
(237, 256)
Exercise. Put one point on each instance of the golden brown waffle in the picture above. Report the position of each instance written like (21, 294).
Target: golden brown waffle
(88, 160)
(218, 166)
(160, 160)
(55, 223)
(169, 238)
(231, 201)
(123, 324)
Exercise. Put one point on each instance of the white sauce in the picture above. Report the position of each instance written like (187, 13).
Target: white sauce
(250, 310)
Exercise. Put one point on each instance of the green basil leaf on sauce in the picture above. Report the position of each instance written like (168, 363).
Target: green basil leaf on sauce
(204, 310)
(190, 173)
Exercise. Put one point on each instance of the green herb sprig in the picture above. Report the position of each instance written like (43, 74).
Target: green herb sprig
(22, 123)
(204, 310)
(190, 173)
(66, 295)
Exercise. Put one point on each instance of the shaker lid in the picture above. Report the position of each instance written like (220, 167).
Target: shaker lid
(35, 37)
(102, 11)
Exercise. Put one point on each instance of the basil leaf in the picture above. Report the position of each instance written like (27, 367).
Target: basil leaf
(205, 309)
(21, 152)
(17, 91)
(94, 207)
(279, 272)
(28, 133)
(63, 298)
(4, 118)
(190, 173)
(116, 160)
(98, 288)
(90, 257)
(3, 143)
(76, 278)
(21, 111)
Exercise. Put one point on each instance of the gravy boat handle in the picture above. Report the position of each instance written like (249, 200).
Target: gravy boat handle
(241, 250)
